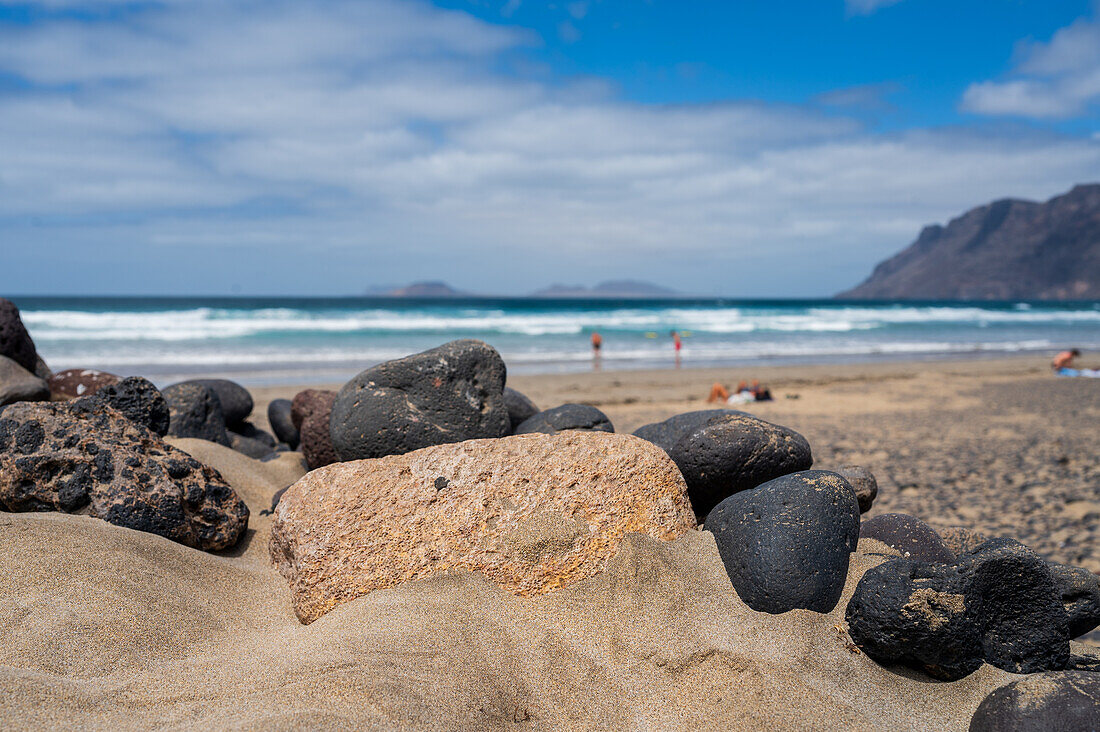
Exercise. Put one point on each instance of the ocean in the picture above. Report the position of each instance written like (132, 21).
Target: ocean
(263, 340)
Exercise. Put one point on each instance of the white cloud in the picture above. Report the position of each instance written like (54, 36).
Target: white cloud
(1058, 79)
(866, 7)
(384, 135)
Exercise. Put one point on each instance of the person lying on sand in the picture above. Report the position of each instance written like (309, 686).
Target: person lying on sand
(1064, 360)
(1063, 365)
(744, 393)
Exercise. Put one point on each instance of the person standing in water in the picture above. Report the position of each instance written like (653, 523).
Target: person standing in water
(677, 345)
(597, 343)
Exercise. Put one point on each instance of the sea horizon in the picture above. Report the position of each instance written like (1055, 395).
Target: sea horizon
(272, 340)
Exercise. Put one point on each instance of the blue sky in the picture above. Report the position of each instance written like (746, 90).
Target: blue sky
(736, 148)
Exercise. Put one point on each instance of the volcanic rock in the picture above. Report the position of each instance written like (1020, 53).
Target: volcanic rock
(235, 400)
(1018, 606)
(912, 537)
(1080, 593)
(864, 483)
(75, 383)
(786, 543)
(447, 394)
(721, 452)
(279, 417)
(84, 456)
(195, 411)
(566, 417)
(1056, 700)
(311, 412)
(531, 512)
(915, 614)
(139, 401)
(519, 407)
(19, 385)
(15, 341)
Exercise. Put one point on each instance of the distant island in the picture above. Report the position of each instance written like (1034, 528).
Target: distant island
(611, 289)
(614, 289)
(419, 289)
(1006, 250)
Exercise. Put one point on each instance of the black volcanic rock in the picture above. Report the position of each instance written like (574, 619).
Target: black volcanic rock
(195, 411)
(15, 341)
(1056, 700)
(451, 393)
(566, 417)
(1012, 592)
(786, 543)
(519, 406)
(1007, 250)
(282, 423)
(909, 535)
(915, 614)
(723, 451)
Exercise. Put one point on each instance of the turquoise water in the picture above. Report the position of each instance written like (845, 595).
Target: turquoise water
(313, 340)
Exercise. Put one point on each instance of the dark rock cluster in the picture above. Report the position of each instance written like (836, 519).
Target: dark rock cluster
(86, 456)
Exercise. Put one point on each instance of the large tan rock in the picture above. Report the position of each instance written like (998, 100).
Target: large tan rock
(530, 512)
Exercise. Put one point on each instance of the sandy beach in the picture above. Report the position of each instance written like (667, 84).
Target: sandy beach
(108, 628)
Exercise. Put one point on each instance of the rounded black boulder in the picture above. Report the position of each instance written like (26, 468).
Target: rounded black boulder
(1066, 701)
(519, 406)
(279, 417)
(139, 401)
(786, 543)
(909, 535)
(913, 613)
(235, 400)
(864, 483)
(15, 341)
(1080, 593)
(721, 452)
(566, 417)
(1021, 620)
(195, 411)
(448, 394)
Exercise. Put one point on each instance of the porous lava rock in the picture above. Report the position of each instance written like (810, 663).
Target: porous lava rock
(139, 401)
(864, 483)
(912, 537)
(1080, 593)
(311, 411)
(1067, 701)
(786, 543)
(15, 341)
(915, 614)
(279, 417)
(76, 383)
(722, 452)
(519, 406)
(566, 417)
(924, 614)
(19, 385)
(236, 401)
(530, 512)
(195, 411)
(1021, 620)
(83, 456)
(447, 394)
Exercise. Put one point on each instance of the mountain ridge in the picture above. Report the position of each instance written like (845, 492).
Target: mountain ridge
(1005, 250)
